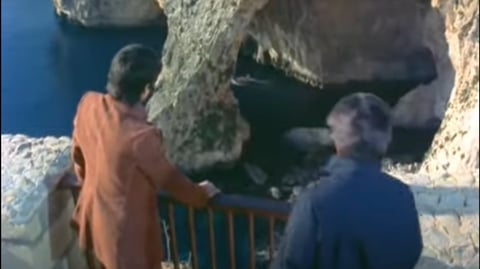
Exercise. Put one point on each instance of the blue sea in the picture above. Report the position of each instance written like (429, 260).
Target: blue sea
(47, 65)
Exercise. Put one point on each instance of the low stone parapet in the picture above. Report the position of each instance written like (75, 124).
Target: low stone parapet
(35, 214)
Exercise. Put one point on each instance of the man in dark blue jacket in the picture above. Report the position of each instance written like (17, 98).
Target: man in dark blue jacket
(357, 217)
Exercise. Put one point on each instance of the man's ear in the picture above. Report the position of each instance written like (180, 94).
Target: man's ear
(147, 93)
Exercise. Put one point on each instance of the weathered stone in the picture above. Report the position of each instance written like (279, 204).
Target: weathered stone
(456, 146)
(309, 139)
(193, 104)
(275, 192)
(28, 181)
(45, 250)
(450, 201)
(256, 173)
(473, 263)
(437, 239)
(36, 230)
(109, 13)
(337, 41)
(430, 262)
(463, 255)
(427, 103)
(427, 201)
(471, 204)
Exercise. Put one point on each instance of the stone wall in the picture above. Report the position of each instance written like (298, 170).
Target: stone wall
(35, 216)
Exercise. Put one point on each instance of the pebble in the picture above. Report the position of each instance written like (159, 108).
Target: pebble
(257, 175)
(275, 193)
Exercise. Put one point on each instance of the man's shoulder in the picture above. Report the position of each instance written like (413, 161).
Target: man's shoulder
(396, 182)
(89, 97)
(86, 101)
(326, 186)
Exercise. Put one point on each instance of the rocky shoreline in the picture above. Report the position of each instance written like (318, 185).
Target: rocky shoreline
(448, 205)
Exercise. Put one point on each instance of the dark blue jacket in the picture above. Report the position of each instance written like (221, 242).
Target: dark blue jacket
(356, 218)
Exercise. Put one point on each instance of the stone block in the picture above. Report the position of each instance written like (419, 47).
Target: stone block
(45, 251)
(31, 168)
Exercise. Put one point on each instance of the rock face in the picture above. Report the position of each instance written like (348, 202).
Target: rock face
(340, 41)
(336, 41)
(109, 13)
(456, 145)
(428, 102)
(194, 105)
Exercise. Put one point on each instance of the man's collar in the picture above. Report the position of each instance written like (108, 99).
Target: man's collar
(337, 163)
(138, 111)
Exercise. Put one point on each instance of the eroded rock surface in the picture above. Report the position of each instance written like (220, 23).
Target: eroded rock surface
(109, 13)
(456, 145)
(194, 105)
(337, 41)
(36, 231)
(427, 103)
(340, 41)
(31, 167)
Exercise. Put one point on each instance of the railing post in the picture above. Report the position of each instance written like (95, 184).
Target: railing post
(173, 239)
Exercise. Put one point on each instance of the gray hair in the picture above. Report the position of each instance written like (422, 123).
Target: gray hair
(361, 124)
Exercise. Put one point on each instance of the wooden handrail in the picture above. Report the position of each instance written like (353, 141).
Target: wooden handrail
(228, 204)
(244, 204)
(238, 203)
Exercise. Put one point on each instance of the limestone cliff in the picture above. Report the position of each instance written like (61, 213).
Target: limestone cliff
(194, 105)
(332, 41)
(456, 146)
(340, 40)
(109, 13)
(361, 40)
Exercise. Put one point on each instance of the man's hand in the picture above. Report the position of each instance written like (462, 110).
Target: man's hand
(209, 188)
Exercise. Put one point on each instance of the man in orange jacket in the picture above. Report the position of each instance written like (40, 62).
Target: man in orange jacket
(120, 162)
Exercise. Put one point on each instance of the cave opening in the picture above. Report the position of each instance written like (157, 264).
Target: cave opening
(289, 140)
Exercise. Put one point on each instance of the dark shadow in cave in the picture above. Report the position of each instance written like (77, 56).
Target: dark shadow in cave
(277, 103)
(273, 103)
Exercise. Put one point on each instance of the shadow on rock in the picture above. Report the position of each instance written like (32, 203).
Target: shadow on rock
(432, 263)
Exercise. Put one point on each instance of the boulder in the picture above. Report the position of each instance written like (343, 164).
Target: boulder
(109, 13)
(456, 146)
(193, 103)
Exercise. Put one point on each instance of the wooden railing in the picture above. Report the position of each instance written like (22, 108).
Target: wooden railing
(230, 205)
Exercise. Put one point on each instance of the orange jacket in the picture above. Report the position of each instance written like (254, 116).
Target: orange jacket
(119, 160)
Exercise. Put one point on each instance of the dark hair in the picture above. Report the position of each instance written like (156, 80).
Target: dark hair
(361, 124)
(132, 68)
